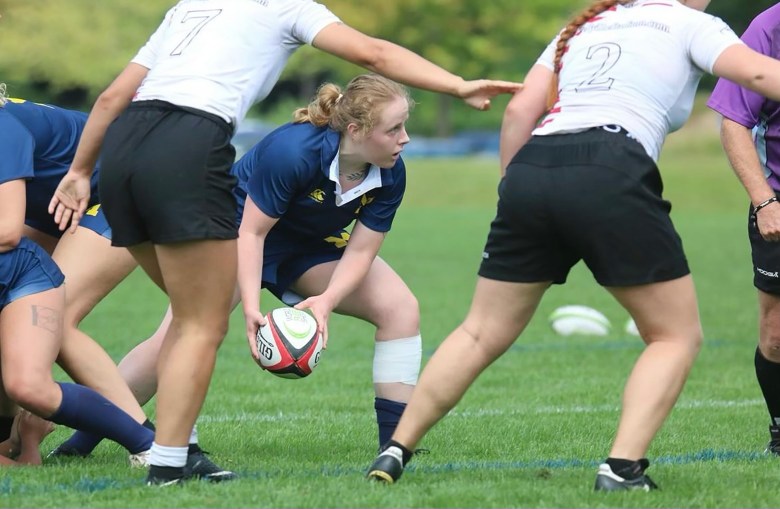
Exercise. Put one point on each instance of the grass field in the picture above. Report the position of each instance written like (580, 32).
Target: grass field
(532, 429)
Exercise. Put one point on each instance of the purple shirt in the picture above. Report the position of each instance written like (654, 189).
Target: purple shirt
(750, 109)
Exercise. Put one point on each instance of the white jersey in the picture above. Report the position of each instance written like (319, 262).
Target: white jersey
(222, 56)
(636, 66)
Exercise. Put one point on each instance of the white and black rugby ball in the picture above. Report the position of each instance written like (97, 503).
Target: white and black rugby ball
(289, 345)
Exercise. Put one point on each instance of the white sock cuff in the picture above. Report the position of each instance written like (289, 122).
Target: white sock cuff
(164, 456)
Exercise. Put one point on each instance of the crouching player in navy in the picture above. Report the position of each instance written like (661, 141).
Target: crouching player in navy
(337, 163)
(32, 300)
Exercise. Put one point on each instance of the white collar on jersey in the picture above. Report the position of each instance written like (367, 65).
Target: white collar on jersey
(372, 181)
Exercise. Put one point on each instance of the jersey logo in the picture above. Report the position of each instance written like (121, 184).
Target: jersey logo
(317, 195)
(340, 241)
(364, 200)
(93, 210)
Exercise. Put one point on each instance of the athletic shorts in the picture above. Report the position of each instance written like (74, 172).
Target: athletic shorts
(39, 194)
(165, 175)
(594, 196)
(25, 270)
(284, 261)
(766, 258)
(94, 219)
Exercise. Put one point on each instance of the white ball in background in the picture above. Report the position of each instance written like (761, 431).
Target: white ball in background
(577, 319)
(630, 328)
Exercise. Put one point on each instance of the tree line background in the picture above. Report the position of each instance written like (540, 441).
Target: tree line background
(65, 52)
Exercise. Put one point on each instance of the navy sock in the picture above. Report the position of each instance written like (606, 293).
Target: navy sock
(84, 443)
(388, 413)
(768, 375)
(85, 410)
(5, 427)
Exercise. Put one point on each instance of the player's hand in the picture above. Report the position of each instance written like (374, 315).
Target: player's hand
(320, 307)
(254, 320)
(70, 200)
(768, 222)
(477, 93)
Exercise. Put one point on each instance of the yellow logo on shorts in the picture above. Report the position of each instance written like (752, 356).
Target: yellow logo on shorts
(93, 210)
(317, 195)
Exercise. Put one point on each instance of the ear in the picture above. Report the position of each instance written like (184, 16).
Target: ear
(354, 131)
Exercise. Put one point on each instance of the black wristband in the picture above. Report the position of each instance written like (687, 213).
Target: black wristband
(763, 204)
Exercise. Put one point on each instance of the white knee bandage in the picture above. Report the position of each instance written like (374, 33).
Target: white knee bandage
(398, 360)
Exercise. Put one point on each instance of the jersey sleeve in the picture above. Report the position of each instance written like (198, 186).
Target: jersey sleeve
(17, 147)
(708, 37)
(378, 214)
(547, 58)
(735, 102)
(148, 54)
(276, 173)
(309, 18)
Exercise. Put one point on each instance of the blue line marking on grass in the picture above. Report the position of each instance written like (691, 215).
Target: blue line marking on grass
(98, 484)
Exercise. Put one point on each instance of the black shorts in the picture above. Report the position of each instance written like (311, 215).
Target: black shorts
(766, 259)
(592, 196)
(165, 175)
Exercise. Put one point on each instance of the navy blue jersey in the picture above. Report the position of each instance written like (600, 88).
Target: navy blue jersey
(287, 175)
(38, 144)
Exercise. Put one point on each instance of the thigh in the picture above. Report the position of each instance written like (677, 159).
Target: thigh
(500, 311)
(667, 310)
(382, 298)
(31, 333)
(92, 268)
(199, 277)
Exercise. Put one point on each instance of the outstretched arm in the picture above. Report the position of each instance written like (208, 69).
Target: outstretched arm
(72, 195)
(405, 66)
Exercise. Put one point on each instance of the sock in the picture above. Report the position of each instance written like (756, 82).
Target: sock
(388, 413)
(407, 454)
(166, 456)
(194, 435)
(85, 410)
(768, 375)
(84, 443)
(628, 469)
(5, 427)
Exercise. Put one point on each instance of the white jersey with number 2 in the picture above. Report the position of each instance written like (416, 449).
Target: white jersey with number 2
(636, 66)
(222, 56)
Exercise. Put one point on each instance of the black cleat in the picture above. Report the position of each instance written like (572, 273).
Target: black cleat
(607, 480)
(65, 451)
(388, 466)
(165, 476)
(200, 466)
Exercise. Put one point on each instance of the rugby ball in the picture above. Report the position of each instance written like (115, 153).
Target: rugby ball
(289, 345)
(576, 319)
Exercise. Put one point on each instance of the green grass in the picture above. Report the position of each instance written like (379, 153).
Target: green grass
(531, 430)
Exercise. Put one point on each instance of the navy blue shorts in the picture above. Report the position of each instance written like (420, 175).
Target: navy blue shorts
(284, 261)
(25, 270)
(39, 193)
